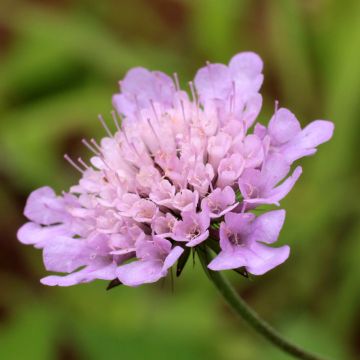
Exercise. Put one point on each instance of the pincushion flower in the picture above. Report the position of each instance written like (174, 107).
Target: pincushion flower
(179, 172)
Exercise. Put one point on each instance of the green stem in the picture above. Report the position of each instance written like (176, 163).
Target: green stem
(248, 314)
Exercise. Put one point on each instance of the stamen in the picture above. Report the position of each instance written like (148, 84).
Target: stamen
(114, 116)
(243, 208)
(193, 92)
(276, 107)
(97, 146)
(195, 98)
(211, 184)
(138, 106)
(154, 110)
(105, 126)
(126, 137)
(176, 79)
(153, 130)
(131, 144)
(183, 110)
(184, 118)
(72, 163)
(84, 141)
(80, 160)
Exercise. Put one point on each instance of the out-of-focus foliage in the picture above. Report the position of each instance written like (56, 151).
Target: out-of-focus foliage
(60, 61)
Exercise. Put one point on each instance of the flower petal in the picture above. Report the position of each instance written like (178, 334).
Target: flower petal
(283, 126)
(279, 192)
(65, 254)
(89, 273)
(171, 259)
(245, 69)
(199, 239)
(276, 194)
(227, 260)
(246, 64)
(140, 272)
(141, 86)
(305, 143)
(213, 82)
(37, 235)
(266, 227)
(43, 207)
(264, 258)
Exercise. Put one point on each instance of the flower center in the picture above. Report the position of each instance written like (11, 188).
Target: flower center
(235, 239)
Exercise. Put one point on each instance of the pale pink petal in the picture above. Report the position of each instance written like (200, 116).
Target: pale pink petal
(283, 126)
(103, 270)
(37, 235)
(246, 63)
(171, 259)
(141, 86)
(264, 258)
(213, 82)
(199, 239)
(227, 260)
(279, 192)
(266, 227)
(140, 272)
(65, 254)
(43, 207)
(245, 69)
(305, 143)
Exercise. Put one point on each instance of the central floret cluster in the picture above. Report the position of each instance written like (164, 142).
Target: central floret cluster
(179, 172)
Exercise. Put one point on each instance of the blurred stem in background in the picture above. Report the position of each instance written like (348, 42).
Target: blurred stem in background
(248, 314)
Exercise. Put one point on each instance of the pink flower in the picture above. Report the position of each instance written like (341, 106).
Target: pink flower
(155, 258)
(243, 238)
(219, 202)
(193, 228)
(177, 169)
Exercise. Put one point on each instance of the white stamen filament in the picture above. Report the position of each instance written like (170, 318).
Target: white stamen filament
(103, 123)
(85, 142)
(72, 163)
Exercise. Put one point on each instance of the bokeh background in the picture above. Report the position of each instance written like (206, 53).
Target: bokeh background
(60, 61)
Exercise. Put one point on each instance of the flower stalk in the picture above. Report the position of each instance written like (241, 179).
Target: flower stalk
(240, 307)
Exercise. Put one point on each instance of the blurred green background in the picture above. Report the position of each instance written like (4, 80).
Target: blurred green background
(60, 61)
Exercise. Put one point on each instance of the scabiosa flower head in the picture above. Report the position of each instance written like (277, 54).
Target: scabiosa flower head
(179, 172)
